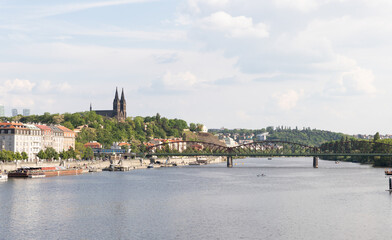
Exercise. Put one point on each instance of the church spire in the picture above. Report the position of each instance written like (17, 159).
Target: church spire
(122, 96)
(116, 96)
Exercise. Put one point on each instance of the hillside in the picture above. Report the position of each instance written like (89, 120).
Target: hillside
(93, 127)
(312, 137)
(203, 137)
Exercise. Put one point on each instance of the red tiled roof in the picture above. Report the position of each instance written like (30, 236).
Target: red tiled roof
(64, 129)
(93, 145)
(11, 125)
(44, 127)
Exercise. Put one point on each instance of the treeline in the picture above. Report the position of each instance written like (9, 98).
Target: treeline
(8, 156)
(307, 136)
(358, 146)
(49, 154)
(106, 130)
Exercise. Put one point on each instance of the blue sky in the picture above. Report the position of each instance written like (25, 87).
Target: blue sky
(225, 63)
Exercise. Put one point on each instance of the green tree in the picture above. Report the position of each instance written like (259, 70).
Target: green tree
(41, 154)
(24, 156)
(192, 127)
(18, 156)
(88, 153)
(51, 153)
(376, 136)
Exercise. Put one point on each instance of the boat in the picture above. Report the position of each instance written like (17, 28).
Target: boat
(115, 167)
(3, 177)
(94, 169)
(194, 163)
(150, 166)
(33, 172)
(36, 175)
(269, 158)
(388, 172)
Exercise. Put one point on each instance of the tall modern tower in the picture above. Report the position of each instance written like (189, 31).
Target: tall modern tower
(14, 112)
(26, 112)
(2, 111)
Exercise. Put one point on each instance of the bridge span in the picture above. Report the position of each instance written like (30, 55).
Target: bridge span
(268, 148)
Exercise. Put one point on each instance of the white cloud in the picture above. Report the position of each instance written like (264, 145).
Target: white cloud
(357, 81)
(197, 5)
(236, 27)
(288, 100)
(74, 7)
(17, 85)
(180, 81)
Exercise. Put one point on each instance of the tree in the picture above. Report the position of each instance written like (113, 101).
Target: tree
(192, 127)
(88, 153)
(376, 136)
(41, 154)
(18, 156)
(24, 156)
(51, 153)
(71, 153)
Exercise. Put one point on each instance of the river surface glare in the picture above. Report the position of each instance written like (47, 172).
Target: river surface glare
(284, 198)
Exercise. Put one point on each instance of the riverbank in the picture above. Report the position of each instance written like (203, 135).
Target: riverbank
(101, 164)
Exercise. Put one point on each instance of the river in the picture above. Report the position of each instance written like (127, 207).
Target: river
(282, 198)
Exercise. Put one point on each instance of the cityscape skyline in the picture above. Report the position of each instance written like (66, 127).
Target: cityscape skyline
(319, 64)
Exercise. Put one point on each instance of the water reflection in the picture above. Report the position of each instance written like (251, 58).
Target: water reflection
(290, 201)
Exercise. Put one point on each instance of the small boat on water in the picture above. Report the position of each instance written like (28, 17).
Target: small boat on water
(36, 175)
(269, 158)
(194, 163)
(3, 177)
(388, 172)
(150, 166)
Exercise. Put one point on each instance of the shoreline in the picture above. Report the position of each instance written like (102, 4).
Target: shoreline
(131, 164)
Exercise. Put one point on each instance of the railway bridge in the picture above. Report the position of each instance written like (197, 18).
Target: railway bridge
(268, 148)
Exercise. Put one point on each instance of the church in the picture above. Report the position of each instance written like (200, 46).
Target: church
(119, 108)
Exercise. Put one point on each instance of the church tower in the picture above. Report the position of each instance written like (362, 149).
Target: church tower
(116, 105)
(123, 106)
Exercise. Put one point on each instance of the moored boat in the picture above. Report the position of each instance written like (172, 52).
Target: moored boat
(33, 172)
(388, 172)
(3, 177)
(36, 175)
(150, 166)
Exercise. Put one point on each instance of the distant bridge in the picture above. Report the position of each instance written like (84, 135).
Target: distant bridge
(268, 148)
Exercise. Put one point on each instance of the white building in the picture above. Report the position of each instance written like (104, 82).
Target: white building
(58, 138)
(34, 141)
(16, 137)
(261, 136)
(230, 142)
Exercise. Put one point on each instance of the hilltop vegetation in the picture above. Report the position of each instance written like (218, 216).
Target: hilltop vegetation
(307, 136)
(107, 130)
(357, 146)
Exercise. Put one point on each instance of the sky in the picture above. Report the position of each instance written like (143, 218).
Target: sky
(322, 64)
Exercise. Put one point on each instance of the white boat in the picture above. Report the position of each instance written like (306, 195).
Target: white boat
(36, 175)
(150, 166)
(3, 177)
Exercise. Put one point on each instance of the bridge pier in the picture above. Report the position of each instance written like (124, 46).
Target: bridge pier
(315, 162)
(229, 161)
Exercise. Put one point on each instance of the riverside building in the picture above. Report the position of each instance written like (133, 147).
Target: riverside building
(31, 138)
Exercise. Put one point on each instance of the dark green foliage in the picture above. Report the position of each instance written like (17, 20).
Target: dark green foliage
(352, 145)
(88, 153)
(306, 136)
(107, 130)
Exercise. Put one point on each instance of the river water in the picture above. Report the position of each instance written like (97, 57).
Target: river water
(284, 198)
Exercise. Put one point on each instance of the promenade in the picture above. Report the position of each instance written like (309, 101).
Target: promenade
(100, 164)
